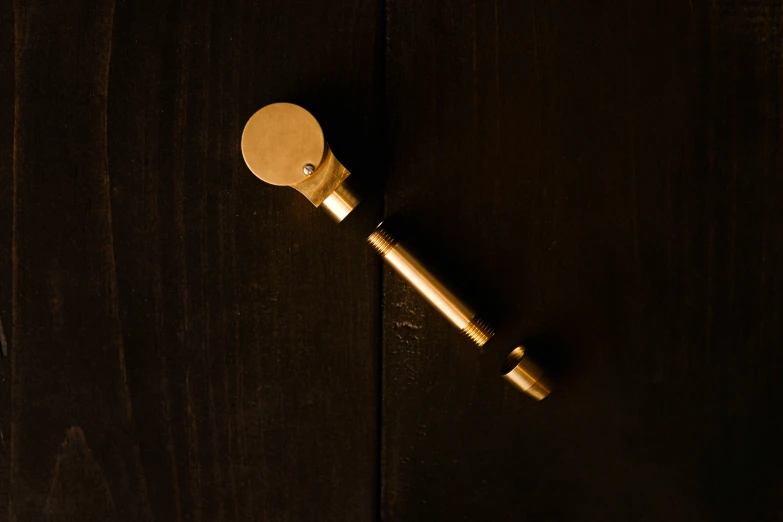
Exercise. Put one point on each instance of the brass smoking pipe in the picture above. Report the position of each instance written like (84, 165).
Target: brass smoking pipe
(284, 145)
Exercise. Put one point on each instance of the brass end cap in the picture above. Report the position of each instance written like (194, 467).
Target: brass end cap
(521, 371)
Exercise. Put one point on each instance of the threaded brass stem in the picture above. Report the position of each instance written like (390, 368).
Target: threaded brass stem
(478, 331)
(430, 287)
(382, 241)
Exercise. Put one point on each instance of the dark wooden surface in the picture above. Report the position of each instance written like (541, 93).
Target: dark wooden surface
(185, 342)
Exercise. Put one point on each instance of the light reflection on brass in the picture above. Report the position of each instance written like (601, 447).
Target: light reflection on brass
(429, 286)
(341, 202)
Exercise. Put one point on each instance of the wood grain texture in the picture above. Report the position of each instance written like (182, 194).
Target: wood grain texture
(68, 359)
(607, 176)
(6, 234)
(187, 343)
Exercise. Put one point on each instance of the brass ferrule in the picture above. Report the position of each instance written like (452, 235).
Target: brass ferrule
(429, 286)
(340, 202)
